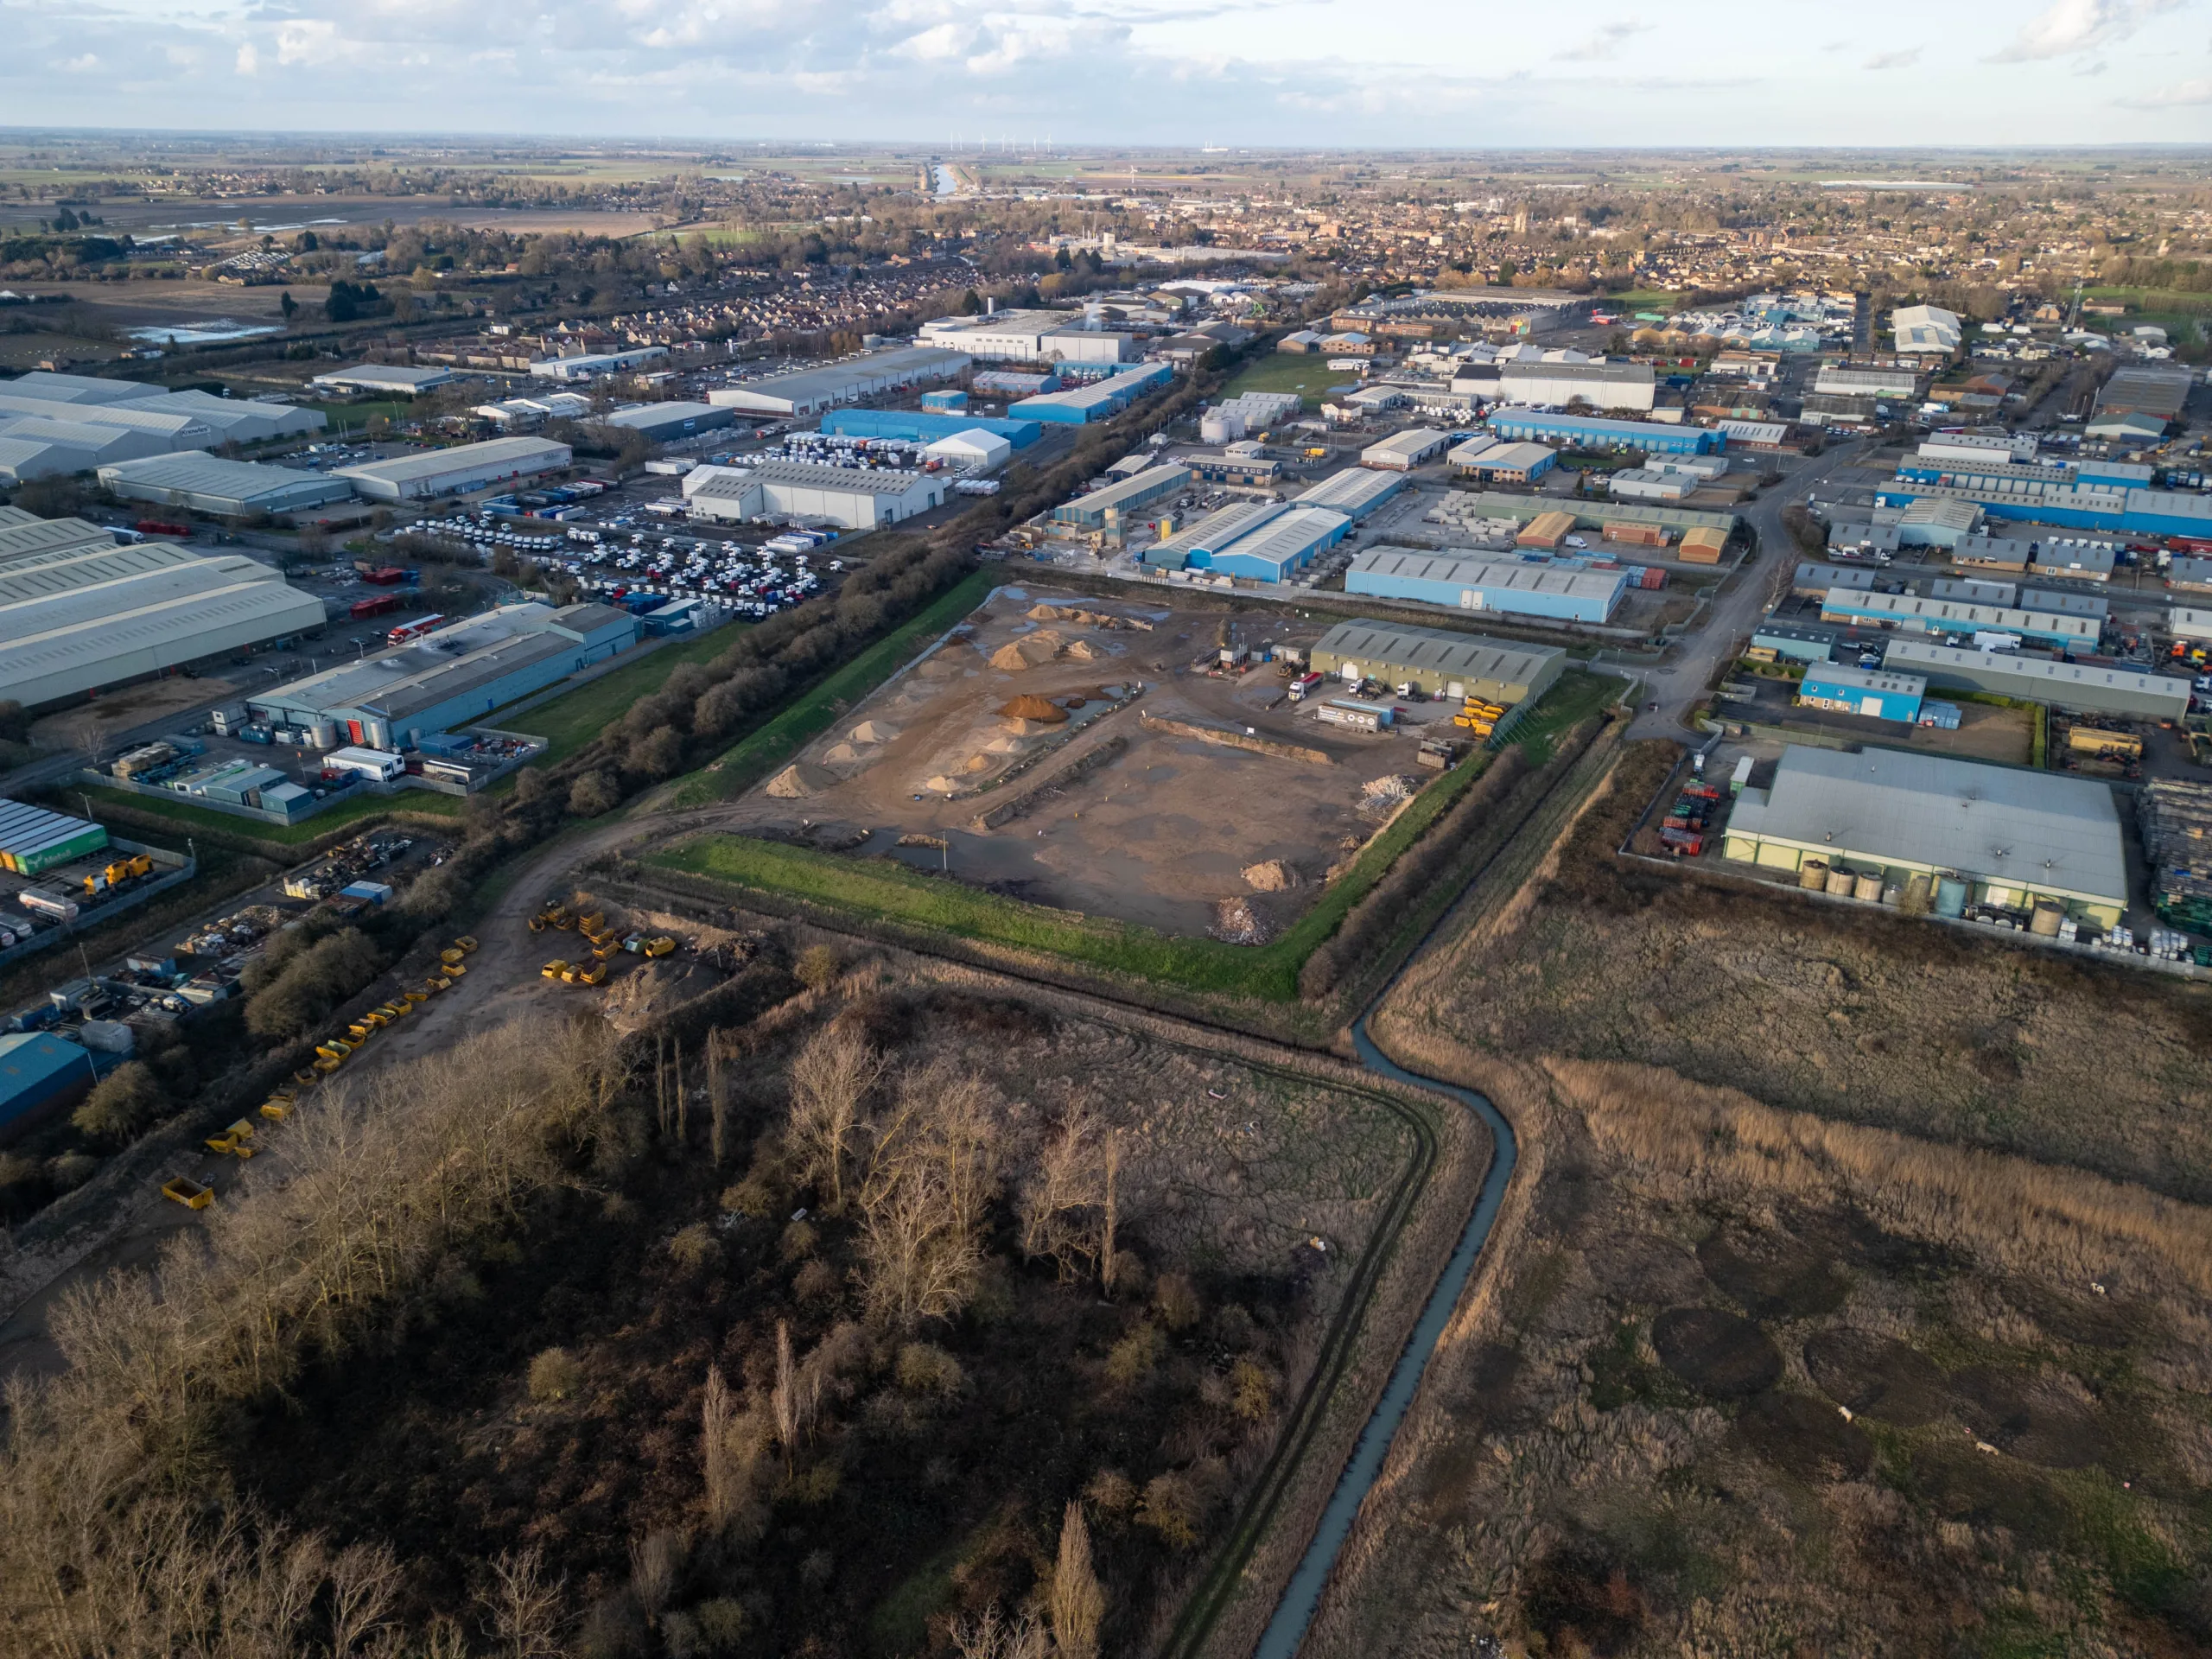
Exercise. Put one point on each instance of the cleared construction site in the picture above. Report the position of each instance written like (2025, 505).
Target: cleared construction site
(1133, 759)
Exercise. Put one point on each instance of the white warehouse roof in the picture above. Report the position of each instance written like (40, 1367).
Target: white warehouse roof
(464, 466)
(801, 391)
(211, 484)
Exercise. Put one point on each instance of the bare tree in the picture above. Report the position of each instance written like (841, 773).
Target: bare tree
(365, 1584)
(722, 1469)
(1106, 1259)
(1063, 1201)
(1078, 1600)
(525, 1608)
(717, 1102)
(830, 1080)
(654, 1563)
(933, 1168)
(991, 1636)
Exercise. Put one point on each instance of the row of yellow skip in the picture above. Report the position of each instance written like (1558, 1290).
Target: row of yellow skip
(237, 1141)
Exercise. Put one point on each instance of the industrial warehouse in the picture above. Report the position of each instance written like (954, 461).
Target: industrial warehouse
(665, 423)
(1265, 541)
(2080, 687)
(1472, 582)
(457, 471)
(450, 677)
(1100, 400)
(1973, 833)
(849, 497)
(1109, 507)
(227, 489)
(74, 620)
(810, 391)
(1449, 665)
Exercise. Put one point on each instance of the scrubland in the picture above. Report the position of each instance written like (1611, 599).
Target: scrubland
(1795, 1366)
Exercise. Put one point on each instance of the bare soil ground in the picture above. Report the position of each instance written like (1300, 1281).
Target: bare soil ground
(77, 727)
(1159, 835)
(1740, 1379)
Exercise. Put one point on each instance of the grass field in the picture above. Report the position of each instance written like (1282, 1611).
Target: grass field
(573, 718)
(187, 816)
(1642, 298)
(891, 893)
(1308, 375)
(738, 768)
(355, 417)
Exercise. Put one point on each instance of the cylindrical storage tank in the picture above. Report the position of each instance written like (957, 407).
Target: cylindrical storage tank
(1841, 881)
(324, 733)
(2048, 914)
(1893, 894)
(1869, 887)
(1950, 896)
(1813, 875)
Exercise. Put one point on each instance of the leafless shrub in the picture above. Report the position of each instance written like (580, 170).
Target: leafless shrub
(1064, 1202)
(654, 1562)
(1177, 1299)
(924, 1368)
(1132, 1359)
(932, 1169)
(1078, 1600)
(991, 1636)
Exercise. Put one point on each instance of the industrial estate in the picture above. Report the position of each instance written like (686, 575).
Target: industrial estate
(1031, 905)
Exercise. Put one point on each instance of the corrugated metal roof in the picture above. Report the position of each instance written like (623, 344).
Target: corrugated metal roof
(1989, 823)
(2040, 677)
(1286, 538)
(1354, 491)
(197, 472)
(39, 537)
(437, 463)
(1468, 655)
(1503, 576)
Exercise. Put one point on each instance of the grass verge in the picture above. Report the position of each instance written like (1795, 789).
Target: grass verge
(279, 836)
(1305, 373)
(745, 763)
(574, 718)
(886, 891)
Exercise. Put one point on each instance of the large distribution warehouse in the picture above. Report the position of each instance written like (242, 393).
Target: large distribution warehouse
(1911, 614)
(663, 423)
(2007, 836)
(76, 619)
(453, 677)
(1443, 664)
(1355, 492)
(455, 472)
(2076, 686)
(1601, 385)
(1120, 502)
(1590, 432)
(809, 391)
(1029, 337)
(1100, 400)
(1261, 541)
(851, 497)
(229, 489)
(1469, 583)
(925, 426)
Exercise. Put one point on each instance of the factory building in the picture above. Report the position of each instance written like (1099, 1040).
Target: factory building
(1926, 328)
(88, 388)
(1452, 665)
(906, 426)
(67, 447)
(170, 430)
(26, 537)
(83, 618)
(23, 459)
(1936, 523)
(1629, 386)
(1976, 448)
(41, 1076)
(385, 379)
(1649, 484)
(1403, 451)
(1591, 432)
(1794, 642)
(1029, 337)
(1100, 400)
(1834, 380)
(1354, 491)
(1260, 541)
(1120, 502)
(1502, 463)
(1878, 694)
(853, 498)
(810, 391)
(2080, 687)
(457, 471)
(1467, 582)
(2109, 508)
(2156, 391)
(591, 364)
(1493, 503)
(972, 451)
(1996, 834)
(519, 414)
(236, 420)
(229, 489)
(1813, 580)
(1911, 614)
(665, 422)
(452, 677)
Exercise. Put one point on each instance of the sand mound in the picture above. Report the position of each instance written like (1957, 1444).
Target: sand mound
(798, 780)
(1005, 743)
(1235, 922)
(1088, 619)
(843, 754)
(1019, 655)
(1271, 876)
(1029, 706)
(976, 763)
(942, 784)
(872, 731)
(1083, 651)
(1027, 728)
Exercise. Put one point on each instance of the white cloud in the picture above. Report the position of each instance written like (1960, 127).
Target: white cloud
(1604, 44)
(1899, 59)
(2185, 94)
(249, 60)
(2070, 26)
(83, 64)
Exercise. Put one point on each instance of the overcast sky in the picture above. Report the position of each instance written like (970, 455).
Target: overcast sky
(1429, 73)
